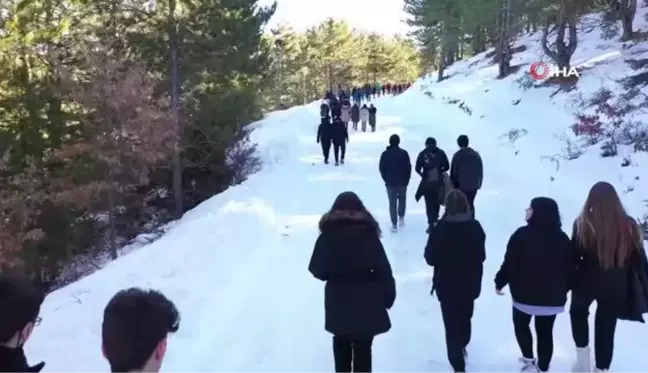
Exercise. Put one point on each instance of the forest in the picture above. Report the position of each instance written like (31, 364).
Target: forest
(450, 30)
(118, 116)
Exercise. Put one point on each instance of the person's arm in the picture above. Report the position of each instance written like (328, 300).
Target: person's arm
(480, 165)
(445, 165)
(419, 164)
(433, 246)
(408, 167)
(502, 277)
(381, 167)
(454, 171)
(320, 260)
(384, 271)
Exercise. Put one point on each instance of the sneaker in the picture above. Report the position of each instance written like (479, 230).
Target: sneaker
(528, 365)
(583, 361)
(342, 161)
(401, 221)
(394, 228)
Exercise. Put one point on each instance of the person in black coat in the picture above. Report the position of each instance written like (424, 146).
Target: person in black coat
(467, 170)
(360, 286)
(608, 245)
(336, 107)
(396, 170)
(340, 137)
(20, 303)
(456, 249)
(355, 115)
(372, 117)
(324, 137)
(538, 266)
(431, 163)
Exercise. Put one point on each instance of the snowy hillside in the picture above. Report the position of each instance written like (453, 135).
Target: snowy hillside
(236, 265)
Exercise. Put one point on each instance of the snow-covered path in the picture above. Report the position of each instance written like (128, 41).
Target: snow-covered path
(236, 265)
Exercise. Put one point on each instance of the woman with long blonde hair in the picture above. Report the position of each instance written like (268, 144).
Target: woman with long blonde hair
(607, 243)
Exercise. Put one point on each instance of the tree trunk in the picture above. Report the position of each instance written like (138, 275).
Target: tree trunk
(175, 109)
(503, 48)
(112, 226)
(564, 51)
(627, 11)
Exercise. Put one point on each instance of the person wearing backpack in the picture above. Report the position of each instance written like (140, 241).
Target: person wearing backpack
(431, 163)
(467, 171)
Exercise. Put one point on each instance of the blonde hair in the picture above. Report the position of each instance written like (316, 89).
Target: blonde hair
(604, 226)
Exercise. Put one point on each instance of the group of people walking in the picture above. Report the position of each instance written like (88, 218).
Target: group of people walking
(603, 261)
(333, 130)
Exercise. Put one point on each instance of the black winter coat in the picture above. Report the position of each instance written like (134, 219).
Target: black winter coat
(339, 132)
(372, 115)
(324, 131)
(395, 167)
(355, 113)
(467, 170)
(608, 286)
(14, 360)
(538, 267)
(360, 287)
(456, 248)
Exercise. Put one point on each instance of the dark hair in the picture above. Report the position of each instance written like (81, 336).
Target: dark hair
(350, 202)
(134, 323)
(394, 140)
(545, 213)
(456, 203)
(430, 141)
(462, 141)
(21, 301)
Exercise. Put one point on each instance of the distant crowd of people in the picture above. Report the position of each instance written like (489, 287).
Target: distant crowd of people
(603, 261)
(336, 111)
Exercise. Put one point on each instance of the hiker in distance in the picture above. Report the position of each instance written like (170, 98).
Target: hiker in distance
(467, 170)
(396, 171)
(340, 137)
(360, 287)
(325, 137)
(431, 164)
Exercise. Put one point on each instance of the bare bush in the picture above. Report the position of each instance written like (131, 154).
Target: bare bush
(514, 134)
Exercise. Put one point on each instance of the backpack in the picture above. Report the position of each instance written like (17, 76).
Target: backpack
(431, 165)
(324, 111)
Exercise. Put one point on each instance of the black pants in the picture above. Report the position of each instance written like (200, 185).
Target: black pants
(544, 332)
(326, 149)
(470, 195)
(457, 320)
(605, 321)
(432, 205)
(337, 147)
(352, 354)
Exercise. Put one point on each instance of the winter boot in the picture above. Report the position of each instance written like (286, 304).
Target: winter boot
(528, 365)
(401, 221)
(583, 362)
(342, 161)
(394, 228)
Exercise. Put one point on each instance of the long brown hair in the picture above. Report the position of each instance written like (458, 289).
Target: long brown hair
(604, 226)
(350, 204)
(456, 203)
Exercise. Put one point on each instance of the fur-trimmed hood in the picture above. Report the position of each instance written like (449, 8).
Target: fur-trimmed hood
(338, 218)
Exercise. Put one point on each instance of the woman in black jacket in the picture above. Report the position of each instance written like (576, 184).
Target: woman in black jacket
(608, 243)
(538, 267)
(360, 287)
(456, 250)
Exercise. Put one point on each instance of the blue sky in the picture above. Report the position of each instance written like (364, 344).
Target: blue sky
(383, 16)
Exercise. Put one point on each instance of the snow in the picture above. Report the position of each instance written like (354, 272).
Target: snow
(236, 265)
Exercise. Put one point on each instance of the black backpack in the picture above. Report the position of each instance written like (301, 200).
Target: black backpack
(432, 166)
